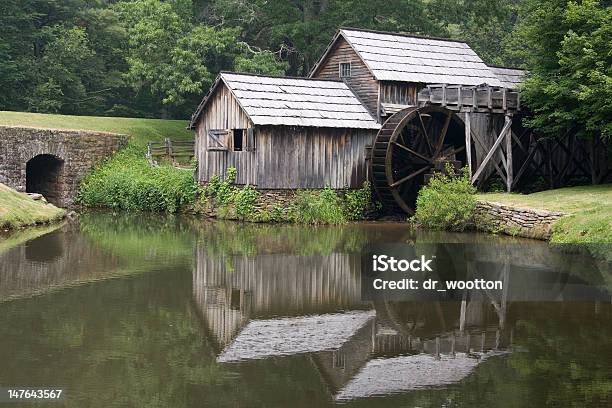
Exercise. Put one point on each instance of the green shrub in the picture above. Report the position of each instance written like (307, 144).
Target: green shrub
(317, 207)
(244, 202)
(222, 190)
(127, 181)
(447, 202)
(358, 202)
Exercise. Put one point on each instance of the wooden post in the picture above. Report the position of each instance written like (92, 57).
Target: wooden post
(509, 171)
(483, 339)
(374, 335)
(468, 140)
(168, 146)
(462, 316)
(443, 94)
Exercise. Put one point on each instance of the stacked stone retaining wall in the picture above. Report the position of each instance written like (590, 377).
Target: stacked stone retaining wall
(516, 221)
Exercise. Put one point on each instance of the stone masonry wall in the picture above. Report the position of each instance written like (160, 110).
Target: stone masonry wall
(517, 221)
(77, 150)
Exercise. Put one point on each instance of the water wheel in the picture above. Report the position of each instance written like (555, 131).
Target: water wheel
(412, 145)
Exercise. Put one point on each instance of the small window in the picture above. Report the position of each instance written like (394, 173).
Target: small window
(238, 139)
(345, 69)
(219, 139)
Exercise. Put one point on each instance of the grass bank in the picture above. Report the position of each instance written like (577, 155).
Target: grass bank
(140, 130)
(126, 181)
(17, 210)
(589, 210)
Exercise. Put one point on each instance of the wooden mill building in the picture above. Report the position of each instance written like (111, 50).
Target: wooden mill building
(389, 108)
(283, 133)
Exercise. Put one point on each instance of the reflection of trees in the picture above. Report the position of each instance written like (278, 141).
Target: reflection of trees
(136, 237)
(567, 352)
(98, 246)
(229, 238)
(143, 350)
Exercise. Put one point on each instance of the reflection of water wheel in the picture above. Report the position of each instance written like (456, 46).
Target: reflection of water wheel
(410, 146)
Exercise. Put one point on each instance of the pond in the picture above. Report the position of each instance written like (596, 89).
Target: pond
(151, 311)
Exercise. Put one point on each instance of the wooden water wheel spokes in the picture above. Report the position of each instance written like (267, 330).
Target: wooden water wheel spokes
(409, 147)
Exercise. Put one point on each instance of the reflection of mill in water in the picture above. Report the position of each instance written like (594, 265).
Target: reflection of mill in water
(357, 350)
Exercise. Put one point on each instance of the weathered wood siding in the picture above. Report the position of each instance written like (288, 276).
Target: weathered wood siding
(361, 81)
(290, 157)
(285, 157)
(224, 112)
(400, 93)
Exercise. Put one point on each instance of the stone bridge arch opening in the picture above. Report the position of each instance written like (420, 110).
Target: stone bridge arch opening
(44, 175)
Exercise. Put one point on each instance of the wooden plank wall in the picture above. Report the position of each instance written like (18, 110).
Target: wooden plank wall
(275, 283)
(401, 93)
(224, 112)
(289, 157)
(362, 81)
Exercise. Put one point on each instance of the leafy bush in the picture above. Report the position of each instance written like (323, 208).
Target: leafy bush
(325, 206)
(358, 202)
(317, 207)
(127, 181)
(447, 202)
(244, 202)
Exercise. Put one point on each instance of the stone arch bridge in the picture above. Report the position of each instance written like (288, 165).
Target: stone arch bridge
(52, 162)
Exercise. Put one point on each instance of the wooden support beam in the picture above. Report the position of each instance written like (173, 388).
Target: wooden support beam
(491, 152)
(549, 166)
(509, 169)
(468, 139)
(443, 95)
(526, 164)
(483, 147)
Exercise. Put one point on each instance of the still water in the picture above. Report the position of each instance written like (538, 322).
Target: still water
(146, 311)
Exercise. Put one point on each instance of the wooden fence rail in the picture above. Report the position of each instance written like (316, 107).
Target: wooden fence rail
(176, 152)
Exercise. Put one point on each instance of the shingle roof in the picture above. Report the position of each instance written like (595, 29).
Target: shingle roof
(383, 376)
(293, 335)
(510, 77)
(398, 57)
(296, 102)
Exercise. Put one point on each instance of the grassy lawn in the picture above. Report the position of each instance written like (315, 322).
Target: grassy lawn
(589, 209)
(141, 130)
(18, 210)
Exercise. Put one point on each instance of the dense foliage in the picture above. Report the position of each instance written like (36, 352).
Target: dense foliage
(222, 197)
(446, 202)
(156, 58)
(567, 49)
(128, 182)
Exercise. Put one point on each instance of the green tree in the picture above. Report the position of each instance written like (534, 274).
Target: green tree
(568, 54)
(486, 25)
(176, 60)
(61, 69)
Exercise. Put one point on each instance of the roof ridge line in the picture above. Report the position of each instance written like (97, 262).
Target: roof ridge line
(402, 34)
(279, 77)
